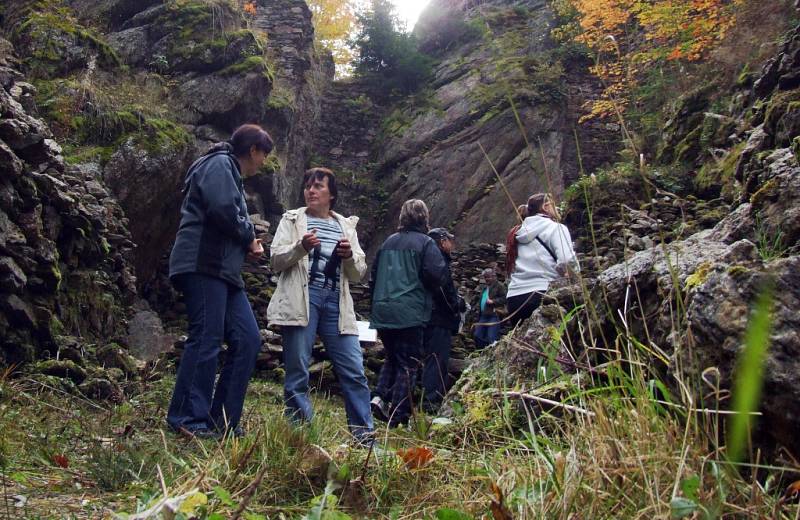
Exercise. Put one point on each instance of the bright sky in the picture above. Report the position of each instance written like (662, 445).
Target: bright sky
(409, 10)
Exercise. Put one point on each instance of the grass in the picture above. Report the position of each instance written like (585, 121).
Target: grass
(633, 456)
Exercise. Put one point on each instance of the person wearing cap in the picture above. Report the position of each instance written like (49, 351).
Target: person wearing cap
(408, 269)
(445, 319)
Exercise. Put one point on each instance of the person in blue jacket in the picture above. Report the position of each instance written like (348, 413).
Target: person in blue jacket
(214, 238)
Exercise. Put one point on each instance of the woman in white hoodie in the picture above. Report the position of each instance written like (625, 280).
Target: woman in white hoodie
(544, 253)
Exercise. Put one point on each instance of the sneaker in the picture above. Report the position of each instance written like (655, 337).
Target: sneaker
(236, 433)
(201, 433)
(380, 409)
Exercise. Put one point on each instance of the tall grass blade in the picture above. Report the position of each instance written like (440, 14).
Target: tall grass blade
(749, 375)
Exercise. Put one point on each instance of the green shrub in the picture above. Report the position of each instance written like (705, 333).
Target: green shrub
(388, 53)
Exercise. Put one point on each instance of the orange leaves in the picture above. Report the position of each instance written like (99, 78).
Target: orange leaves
(792, 492)
(498, 505)
(250, 8)
(627, 35)
(417, 457)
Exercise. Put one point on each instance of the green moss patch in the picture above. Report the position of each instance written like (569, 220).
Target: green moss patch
(717, 177)
(781, 108)
(205, 36)
(55, 42)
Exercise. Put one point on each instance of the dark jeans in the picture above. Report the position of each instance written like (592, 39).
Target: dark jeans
(344, 351)
(437, 343)
(487, 334)
(521, 306)
(399, 372)
(217, 310)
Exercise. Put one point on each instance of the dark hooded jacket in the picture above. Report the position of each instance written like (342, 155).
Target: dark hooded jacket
(407, 269)
(447, 304)
(215, 230)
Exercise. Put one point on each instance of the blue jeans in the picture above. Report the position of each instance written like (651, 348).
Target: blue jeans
(487, 334)
(399, 372)
(437, 345)
(217, 310)
(344, 351)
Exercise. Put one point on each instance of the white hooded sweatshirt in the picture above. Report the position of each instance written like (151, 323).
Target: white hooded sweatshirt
(535, 267)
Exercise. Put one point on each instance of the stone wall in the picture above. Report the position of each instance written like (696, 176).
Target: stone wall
(294, 106)
(65, 250)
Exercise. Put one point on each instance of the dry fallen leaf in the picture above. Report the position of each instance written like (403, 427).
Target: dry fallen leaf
(792, 492)
(61, 461)
(498, 506)
(417, 457)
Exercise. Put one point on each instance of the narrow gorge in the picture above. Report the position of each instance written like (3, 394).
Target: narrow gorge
(683, 201)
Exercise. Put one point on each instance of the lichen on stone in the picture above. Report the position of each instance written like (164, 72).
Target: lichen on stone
(699, 276)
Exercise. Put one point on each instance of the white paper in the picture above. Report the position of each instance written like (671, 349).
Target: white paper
(365, 333)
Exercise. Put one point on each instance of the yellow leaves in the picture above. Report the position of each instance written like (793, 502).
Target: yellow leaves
(192, 502)
(250, 8)
(334, 20)
(627, 35)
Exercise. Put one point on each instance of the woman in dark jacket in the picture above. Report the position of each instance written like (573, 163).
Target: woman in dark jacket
(407, 269)
(214, 237)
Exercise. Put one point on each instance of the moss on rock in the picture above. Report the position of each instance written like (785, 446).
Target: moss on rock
(718, 177)
(766, 191)
(62, 368)
(782, 117)
(700, 275)
(114, 356)
(57, 43)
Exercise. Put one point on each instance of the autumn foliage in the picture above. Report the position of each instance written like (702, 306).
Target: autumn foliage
(334, 20)
(250, 8)
(628, 37)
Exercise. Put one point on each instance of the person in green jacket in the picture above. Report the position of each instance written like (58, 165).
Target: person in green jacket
(407, 269)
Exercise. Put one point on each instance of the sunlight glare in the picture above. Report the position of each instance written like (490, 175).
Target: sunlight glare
(409, 11)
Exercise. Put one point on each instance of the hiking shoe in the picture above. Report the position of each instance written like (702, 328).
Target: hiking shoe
(236, 433)
(380, 408)
(200, 433)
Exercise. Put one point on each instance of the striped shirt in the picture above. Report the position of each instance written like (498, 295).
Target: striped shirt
(329, 233)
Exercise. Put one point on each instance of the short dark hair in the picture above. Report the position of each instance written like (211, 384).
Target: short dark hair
(247, 136)
(319, 173)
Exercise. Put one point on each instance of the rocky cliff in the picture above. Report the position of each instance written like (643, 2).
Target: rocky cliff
(136, 90)
(671, 279)
(498, 82)
(65, 250)
(113, 99)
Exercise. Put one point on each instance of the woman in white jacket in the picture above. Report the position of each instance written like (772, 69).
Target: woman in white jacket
(317, 254)
(544, 253)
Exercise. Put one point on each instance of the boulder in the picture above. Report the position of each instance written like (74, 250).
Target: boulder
(64, 368)
(718, 315)
(223, 100)
(114, 356)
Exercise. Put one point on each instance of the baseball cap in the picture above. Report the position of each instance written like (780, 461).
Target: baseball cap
(440, 233)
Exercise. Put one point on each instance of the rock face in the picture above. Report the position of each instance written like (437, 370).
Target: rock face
(293, 109)
(495, 63)
(65, 251)
(687, 299)
(195, 71)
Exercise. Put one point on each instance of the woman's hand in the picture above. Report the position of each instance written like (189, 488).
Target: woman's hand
(255, 251)
(310, 240)
(343, 249)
